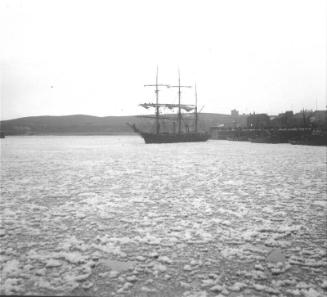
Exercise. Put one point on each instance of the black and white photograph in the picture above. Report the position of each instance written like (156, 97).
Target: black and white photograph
(163, 148)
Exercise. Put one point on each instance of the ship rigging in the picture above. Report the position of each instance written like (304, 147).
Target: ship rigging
(180, 136)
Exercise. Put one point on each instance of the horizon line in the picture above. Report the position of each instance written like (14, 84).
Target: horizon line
(135, 115)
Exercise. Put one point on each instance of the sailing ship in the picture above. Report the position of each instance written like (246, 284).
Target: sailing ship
(181, 135)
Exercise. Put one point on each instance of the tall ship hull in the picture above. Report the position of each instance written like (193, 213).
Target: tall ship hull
(172, 138)
(179, 134)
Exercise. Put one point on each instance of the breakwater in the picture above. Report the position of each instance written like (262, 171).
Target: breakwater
(304, 136)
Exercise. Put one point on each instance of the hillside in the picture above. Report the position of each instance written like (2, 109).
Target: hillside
(92, 125)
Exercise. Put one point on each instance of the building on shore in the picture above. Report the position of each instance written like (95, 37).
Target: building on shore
(258, 121)
(280, 128)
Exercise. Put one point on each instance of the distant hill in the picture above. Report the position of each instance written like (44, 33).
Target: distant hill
(92, 125)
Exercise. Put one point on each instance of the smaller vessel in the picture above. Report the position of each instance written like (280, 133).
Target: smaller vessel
(318, 138)
(190, 132)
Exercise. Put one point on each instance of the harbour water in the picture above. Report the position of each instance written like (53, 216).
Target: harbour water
(110, 215)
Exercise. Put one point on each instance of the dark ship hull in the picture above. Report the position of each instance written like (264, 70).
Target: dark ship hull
(173, 138)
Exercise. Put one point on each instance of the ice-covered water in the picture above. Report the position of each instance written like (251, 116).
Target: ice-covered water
(110, 215)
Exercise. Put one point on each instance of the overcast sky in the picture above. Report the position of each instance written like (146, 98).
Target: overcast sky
(93, 57)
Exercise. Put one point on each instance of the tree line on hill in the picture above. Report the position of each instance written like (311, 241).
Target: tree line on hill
(92, 125)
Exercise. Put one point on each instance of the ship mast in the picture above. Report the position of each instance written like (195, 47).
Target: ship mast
(157, 101)
(196, 111)
(179, 115)
(157, 107)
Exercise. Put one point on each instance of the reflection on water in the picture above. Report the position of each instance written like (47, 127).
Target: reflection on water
(111, 215)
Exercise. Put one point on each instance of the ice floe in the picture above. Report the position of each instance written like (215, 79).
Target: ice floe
(88, 218)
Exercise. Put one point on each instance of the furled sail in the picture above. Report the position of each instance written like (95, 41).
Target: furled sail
(186, 107)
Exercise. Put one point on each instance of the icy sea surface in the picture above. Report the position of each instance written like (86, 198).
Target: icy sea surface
(111, 216)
